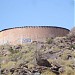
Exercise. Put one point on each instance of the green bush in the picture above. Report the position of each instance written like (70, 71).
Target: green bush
(72, 46)
(49, 40)
(12, 50)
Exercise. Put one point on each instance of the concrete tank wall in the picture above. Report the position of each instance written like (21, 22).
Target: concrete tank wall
(21, 35)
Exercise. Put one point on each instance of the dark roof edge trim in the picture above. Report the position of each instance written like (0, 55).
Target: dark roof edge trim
(35, 27)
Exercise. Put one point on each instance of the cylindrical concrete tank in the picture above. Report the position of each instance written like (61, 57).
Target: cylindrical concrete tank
(27, 34)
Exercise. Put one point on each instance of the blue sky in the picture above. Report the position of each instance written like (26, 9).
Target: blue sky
(15, 13)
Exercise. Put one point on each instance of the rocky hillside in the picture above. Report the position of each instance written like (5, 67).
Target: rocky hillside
(56, 56)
